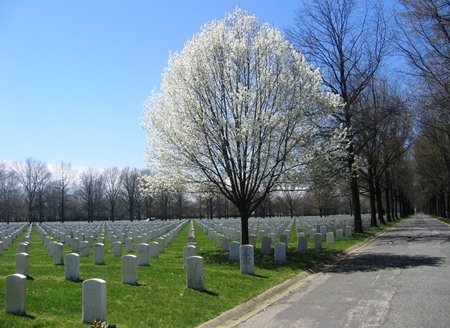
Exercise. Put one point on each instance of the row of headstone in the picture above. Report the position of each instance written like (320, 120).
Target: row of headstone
(327, 224)
(147, 251)
(260, 228)
(195, 271)
(93, 297)
(233, 247)
(9, 233)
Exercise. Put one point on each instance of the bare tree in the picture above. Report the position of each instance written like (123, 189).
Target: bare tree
(181, 198)
(424, 38)
(90, 192)
(290, 198)
(348, 42)
(9, 193)
(112, 189)
(384, 137)
(34, 176)
(64, 178)
(129, 180)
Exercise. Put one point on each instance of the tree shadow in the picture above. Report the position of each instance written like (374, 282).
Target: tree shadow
(295, 261)
(369, 262)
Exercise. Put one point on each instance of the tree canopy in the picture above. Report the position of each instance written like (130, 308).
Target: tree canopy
(238, 108)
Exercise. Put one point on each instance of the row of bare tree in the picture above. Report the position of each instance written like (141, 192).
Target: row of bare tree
(425, 40)
(398, 116)
(34, 191)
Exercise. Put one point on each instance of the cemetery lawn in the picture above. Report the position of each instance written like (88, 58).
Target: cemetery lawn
(161, 299)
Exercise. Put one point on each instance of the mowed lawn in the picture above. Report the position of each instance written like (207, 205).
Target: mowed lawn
(161, 299)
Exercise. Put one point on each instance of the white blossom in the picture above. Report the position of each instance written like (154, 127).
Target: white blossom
(238, 107)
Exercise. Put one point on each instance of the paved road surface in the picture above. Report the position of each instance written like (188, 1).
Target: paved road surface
(401, 279)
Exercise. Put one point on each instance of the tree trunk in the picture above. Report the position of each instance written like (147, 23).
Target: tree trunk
(373, 209)
(356, 205)
(244, 230)
(379, 202)
(388, 204)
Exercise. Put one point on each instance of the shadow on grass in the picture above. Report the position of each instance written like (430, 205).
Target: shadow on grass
(209, 292)
(260, 276)
(28, 316)
(295, 261)
(136, 285)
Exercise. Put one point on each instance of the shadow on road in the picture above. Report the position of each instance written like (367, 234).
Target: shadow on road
(366, 262)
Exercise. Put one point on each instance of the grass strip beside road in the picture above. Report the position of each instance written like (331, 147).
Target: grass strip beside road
(161, 299)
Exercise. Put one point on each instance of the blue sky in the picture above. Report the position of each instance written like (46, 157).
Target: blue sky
(74, 73)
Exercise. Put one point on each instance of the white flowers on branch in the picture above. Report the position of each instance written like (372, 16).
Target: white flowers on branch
(238, 107)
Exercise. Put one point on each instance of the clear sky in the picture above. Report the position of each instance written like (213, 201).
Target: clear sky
(74, 73)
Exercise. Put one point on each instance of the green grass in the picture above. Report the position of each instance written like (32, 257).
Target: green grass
(445, 220)
(161, 299)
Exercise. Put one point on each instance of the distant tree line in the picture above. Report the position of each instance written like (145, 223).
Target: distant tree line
(36, 192)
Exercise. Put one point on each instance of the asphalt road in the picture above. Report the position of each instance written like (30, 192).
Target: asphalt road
(400, 279)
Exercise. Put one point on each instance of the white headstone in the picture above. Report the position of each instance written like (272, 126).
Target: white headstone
(266, 248)
(22, 263)
(129, 270)
(154, 250)
(226, 244)
(348, 231)
(252, 240)
(15, 296)
(75, 244)
(234, 251)
(247, 261)
(280, 252)
(94, 300)
(188, 251)
(84, 248)
(194, 273)
(117, 249)
(129, 244)
(318, 241)
(72, 268)
(99, 254)
(284, 239)
(23, 248)
(143, 257)
(339, 234)
(160, 241)
(330, 237)
(323, 230)
(302, 244)
(50, 247)
(58, 254)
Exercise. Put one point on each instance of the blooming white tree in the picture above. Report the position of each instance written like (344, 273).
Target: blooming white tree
(238, 108)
